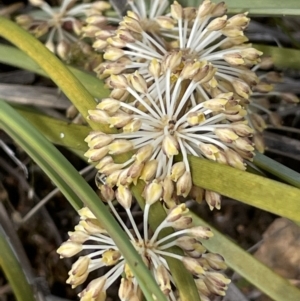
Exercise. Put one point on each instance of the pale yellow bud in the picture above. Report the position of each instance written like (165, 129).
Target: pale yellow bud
(205, 8)
(80, 266)
(119, 119)
(215, 261)
(111, 257)
(215, 104)
(69, 249)
(138, 83)
(216, 283)
(120, 146)
(96, 154)
(124, 196)
(243, 144)
(109, 168)
(200, 232)
(234, 159)
(177, 171)
(239, 20)
(149, 170)
(258, 122)
(92, 226)
(98, 116)
(94, 290)
(85, 213)
(195, 118)
(172, 60)
(78, 236)
(197, 194)
(184, 184)
(226, 135)
(50, 45)
(135, 170)
(100, 44)
(210, 151)
(153, 192)
(132, 126)
(126, 290)
(101, 5)
(259, 142)
(36, 2)
(176, 213)
(155, 68)
(132, 24)
(213, 199)
(113, 53)
(107, 193)
(105, 161)
(217, 24)
(113, 178)
(163, 279)
(109, 104)
(176, 11)
(242, 129)
(170, 146)
(193, 266)
(263, 87)
(289, 97)
(168, 188)
(241, 88)
(165, 22)
(234, 59)
(219, 9)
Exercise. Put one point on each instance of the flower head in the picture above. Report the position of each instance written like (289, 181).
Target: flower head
(179, 87)
(103, 252)
(62, 24)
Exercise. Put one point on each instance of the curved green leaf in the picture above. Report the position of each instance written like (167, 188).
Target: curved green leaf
(247, 266)
(257, 7)
(76, 190)
(12, 269)
(251, 189)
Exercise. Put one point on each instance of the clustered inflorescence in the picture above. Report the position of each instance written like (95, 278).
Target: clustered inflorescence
(181, 82)
(204, 266)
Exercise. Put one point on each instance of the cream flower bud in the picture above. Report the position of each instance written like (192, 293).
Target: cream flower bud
(78, 236)
(124, 197)
(241, 88)
(97, 140)
(234, 58)
(226, 135)
(50, 45)
(80, 266)
(63, 49)
(186, 243)
(243, 144)
(111, 257)
(215, 104)
(205, 8)
(242, 129)
(258, 122)
(216, 283)
(144, 153)
(215, 261)
(165, 22)
(149, 170)
(138, 83)
(163, 279)
(155, 68)
(109, 104)
(177, 171)
(120, 146)
(85, 213)
(168, 187)
(101, 5)
(183, 222)
(132, 24)
(197, 194)
(172, 60)
(213, 199)
(195, 118)
(119, 120)
(100, 45)
(126, 290)
(153, 192)
(193, 266)
(135, 170)
(210, 151)
(176, 11)
(132, 126)
(113, 53)
(170, 146)
(94, 290)
(105, 161)
(184, 184)
(200, 232)
(289, 97)
(113, 178)
(69, 249)
(217, 24)
(92, 226)
(219, 9)
(97, 154)
(259, 142)
(107, 193)
(176, 213)
(109, 168)
(98, 116)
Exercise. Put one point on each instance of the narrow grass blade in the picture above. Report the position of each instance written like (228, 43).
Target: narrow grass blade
(51, 65)
(13, 271)
(254, 190)
(13, 56)
(67, 179)
(282, 172)
(257, 7)
(247, 266)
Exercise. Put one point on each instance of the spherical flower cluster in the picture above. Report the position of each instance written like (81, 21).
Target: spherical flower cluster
(62, 25)
(103, 252)
(179, 87)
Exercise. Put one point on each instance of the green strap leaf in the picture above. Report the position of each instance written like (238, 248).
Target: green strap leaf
(251, 189)
(247, 266)
(12, 269)
(257, 7)
(76, 190)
